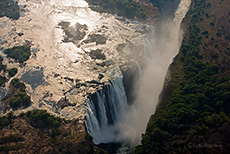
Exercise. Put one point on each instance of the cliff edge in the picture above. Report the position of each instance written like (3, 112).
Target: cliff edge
(193, 113)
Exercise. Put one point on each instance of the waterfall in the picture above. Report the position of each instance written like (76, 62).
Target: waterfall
(147, 42)
(103, 110)
(161, 45)
(138, 67)
(109, 118)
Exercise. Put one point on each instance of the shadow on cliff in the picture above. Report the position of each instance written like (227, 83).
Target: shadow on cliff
(161, 45)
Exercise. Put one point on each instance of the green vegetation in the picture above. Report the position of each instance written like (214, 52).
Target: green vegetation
(6, 120)
(2, 80)
(11, 138)
(42, 119)
(37, 118)
(18, 85)
(2, 67)
(37, 131)
(97, 54)
(7, 148)
(199, 107)
(19, 53)
(157, 2)
(18, 97)
(9, 9)
(165, 5)
(12, 71)
(126, 8)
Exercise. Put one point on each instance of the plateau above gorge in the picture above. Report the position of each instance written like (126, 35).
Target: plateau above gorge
(75, 52)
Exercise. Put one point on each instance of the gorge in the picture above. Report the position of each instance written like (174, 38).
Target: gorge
(109, 117)
(114, 76)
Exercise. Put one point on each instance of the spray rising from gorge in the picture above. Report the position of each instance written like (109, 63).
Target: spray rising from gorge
(161, 46)
(127, 124)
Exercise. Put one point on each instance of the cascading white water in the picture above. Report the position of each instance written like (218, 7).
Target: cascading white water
(103, 110)
(139, 68)
(108, 119)
(161, 45)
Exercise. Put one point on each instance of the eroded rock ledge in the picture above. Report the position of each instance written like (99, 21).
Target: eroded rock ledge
(75, 52)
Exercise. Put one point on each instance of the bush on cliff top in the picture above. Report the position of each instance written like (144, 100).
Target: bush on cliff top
(10, 9)
(19, 53)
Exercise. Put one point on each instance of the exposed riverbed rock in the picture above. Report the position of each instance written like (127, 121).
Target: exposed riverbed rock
(70, 43)
(75, 53)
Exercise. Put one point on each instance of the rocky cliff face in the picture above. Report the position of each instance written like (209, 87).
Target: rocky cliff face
(193, 114)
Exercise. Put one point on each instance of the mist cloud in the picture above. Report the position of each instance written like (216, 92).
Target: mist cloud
(161, 46)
